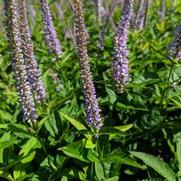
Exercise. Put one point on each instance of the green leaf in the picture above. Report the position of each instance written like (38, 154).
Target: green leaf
(7, 140)
(51, 126)
(6, 144)
(55, 104)
(111, 130)
(28, 146)
(28, 158)
(157, 164)
(41, 123)
(75, 123)
(75, 150)
(18, 173)
(6, 176)
(77, 174)
(99, 170)
(19, 130)
(112, 95)
(124, 127)
(178, 151)
(64, 178)
(116, 178)
(89, 144)
(125, 160)
(24, 177)
(3, 126)
(4, 115)
(121, 106)
(93, 156)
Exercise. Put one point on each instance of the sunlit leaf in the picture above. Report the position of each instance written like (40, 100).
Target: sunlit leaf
(26, 148)
(124, 127)
(75, 150)
(75, 123)
(157, 164)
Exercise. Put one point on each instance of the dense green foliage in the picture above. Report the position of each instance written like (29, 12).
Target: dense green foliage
(141, 137)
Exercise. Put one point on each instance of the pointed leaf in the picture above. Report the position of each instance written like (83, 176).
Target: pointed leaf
(28, 146)
(116, 178)
(112, 95)
(125, 160)
(75, 150)
(178, 151)
(6, 175)
(124, 127)
(157, 164)
(99, 170)
(75, 123)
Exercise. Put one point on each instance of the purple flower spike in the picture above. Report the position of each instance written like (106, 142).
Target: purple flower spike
(50, 33)
(91, 104)
(34, 75)
(120, 64)
(175, 46)
(19, 66)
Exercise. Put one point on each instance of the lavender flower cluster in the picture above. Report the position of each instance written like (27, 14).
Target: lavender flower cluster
(91, 104)
(26, 71)
(50, 33)
(120, 64)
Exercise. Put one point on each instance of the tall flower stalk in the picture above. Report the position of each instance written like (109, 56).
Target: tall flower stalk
(174, 49)
(50, 33)
(81, 35)
(19, 65)
(33, 72)
(120, 64)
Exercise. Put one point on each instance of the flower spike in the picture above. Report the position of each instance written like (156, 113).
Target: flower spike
(50, 33)
(91, 104)
(34, 75)
(120, 63)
